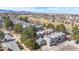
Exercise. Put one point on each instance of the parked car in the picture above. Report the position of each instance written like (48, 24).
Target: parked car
(9, 49)
(19, 45)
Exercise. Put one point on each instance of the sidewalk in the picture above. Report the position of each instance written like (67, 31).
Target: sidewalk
(25, 49)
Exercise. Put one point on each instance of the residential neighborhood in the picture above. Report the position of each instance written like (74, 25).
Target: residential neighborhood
(39, 32)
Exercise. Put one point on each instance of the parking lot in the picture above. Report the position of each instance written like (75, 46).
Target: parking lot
(12, 45)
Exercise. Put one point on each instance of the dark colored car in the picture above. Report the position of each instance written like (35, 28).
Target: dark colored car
(19, 45)
(10, 49)
(77, 42)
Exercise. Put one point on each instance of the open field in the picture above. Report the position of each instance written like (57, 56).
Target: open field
(44, 21)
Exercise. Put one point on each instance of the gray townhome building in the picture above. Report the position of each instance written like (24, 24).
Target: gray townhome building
(54, 38)
(51, 39)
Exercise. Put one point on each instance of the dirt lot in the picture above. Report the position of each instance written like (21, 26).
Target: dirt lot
(69, 48)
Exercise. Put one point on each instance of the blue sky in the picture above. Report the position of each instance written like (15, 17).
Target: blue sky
(65, 10)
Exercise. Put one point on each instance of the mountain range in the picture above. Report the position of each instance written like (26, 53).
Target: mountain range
(19, 12)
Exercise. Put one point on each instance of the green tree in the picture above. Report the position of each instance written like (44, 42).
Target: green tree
(1, 35)
(18, 28)
(20, 18)
(57, 28)
(44, 25)
(3, 18)
(62, 28)
(23, 18)
(8, 23)
(1, 38)
(75, 32)
(76, 36)
(31, 44)
(29, 33)
(28, 38)
(75, 29)
(50, 26)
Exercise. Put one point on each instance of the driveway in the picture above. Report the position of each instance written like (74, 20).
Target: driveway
(12, 45)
